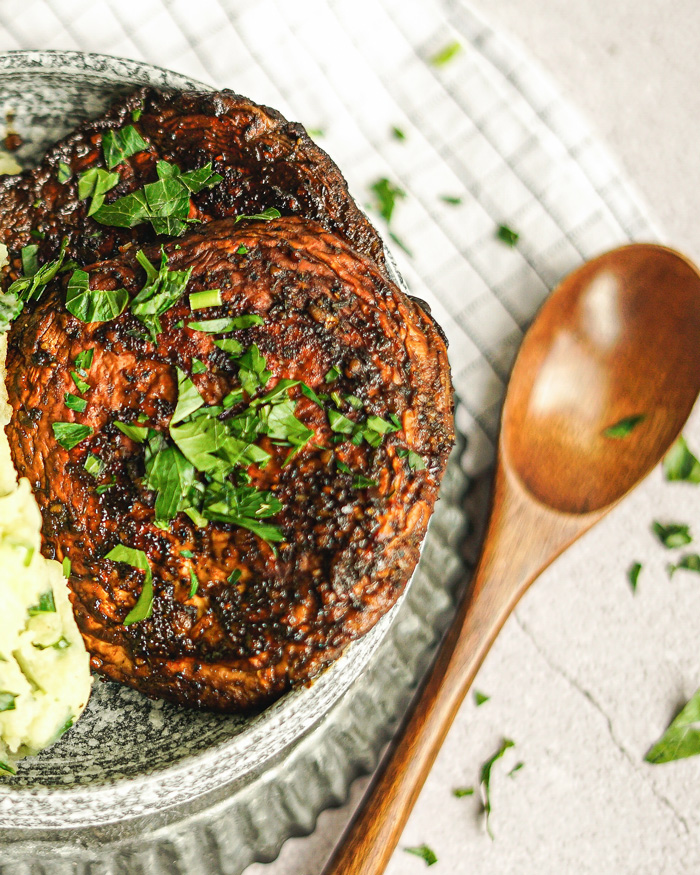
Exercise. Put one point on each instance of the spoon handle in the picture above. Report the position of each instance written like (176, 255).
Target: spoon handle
(522, 539)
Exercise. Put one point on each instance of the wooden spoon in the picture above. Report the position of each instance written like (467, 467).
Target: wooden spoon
(619, 339)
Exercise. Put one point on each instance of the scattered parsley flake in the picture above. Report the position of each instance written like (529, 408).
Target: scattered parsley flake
(117, 146)
(397, 133)
(451, 199)
(633, 575)
(689, 562)
(507, 235)
(485, 779)
(74, 402)
(672, 535)
(332, 374)
(162, 290)
(361, 482)
(194, 583)
(234, 576)
(95, 183)
(83, 361)
(461, 792)
(81, 385)
(386, 197)
(446, 54)
(624, 427)
(242, 250)
(7, 701)
(137, 559)
(46, 605)
(70, 434)
(198, 367)
(64, 172)
(480, 698)
(66, 567)
(680, 464)
(265, 216)
(137, 433)
(516, 768)
(415, 462)
(682, 738)
(94, 465)
(28, 254)
(93, 305)
(425, 853)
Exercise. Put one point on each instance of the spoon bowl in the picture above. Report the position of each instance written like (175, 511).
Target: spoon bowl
(605, 378)
(603, 383)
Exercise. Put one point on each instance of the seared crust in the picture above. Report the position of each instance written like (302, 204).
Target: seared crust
(348, 552)
(265, 161)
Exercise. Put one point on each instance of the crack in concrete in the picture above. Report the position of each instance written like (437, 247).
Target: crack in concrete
(664, 800)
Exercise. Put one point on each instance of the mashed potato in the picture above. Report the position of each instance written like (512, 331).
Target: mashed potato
(44, 667)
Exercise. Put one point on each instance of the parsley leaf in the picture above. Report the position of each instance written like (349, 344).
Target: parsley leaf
(95, 183)
(30, 288)
(266, 216)
(7, 701)
(386, 196)
(361, 482)
(70, 434)
(73, 402)
(46, 605)
(689, 562)
(93, 305)
(446, 54)
(672, 534)
(253, 373)
(188, 398)
(194, 583)
(117, 146)
(162, 290)
(507, 235)
(28, 254)
(485, 778)
(136, 432)
(94, 465)
(682, 738)
(415, 462)
(425, 853)
(480, 698)
(83, 361)
(397, 133)
(461, 792)
(64, 172)
(633, 575)
(681, 464)
(624, 427)
(451, 199)
(80, 384)
(137, 559)
(172, 476)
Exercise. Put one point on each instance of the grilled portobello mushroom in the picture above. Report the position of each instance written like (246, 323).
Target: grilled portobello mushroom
(244, 481)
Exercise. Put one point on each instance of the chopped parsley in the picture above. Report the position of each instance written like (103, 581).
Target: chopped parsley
(461, 792)
(361, 482)
(7, 701)
(633, 575)
(194, 583)
(242, 250)
(137, 559)
(332, 374)
(266, 216)
(446, 54)
(46, 605)
(672, 535)
(386, 196)
(74, 402)
(93, 305)
(425, 853)
(415, 462)
(61, 644)
(485, 779)
(66, 567)
(117, 146)
(234, 576)
(81, 385)
(689, 562)
(165, 203)
(95, 183)
(516, 768)
(64, 172)
(682, 738)
(188, 398)
(136, 432)
(507, 235)
(451, 199)
(70, 434)
(28, 288)
(681, 464)
(94, 465)
(28, 254)
(624, 427)
(163, 289)
(83, 361)
(480, 698)
(398, 133)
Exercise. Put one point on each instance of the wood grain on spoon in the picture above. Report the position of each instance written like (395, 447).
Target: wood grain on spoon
(619, 338)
